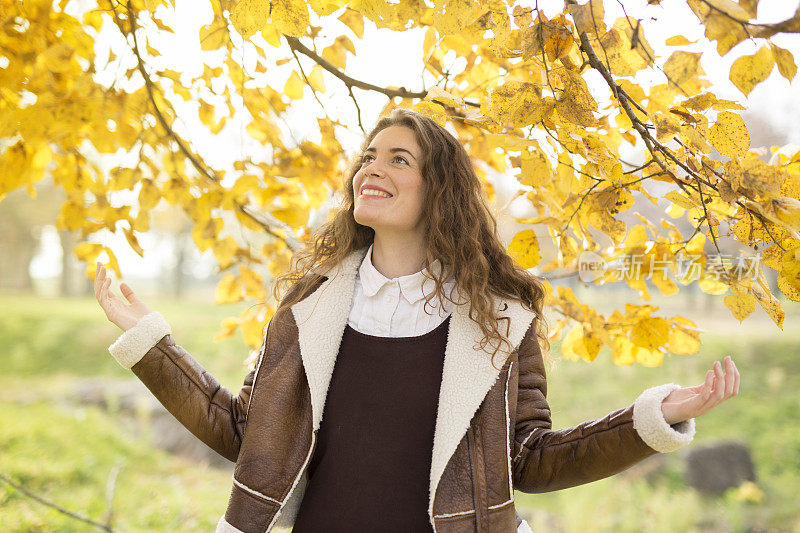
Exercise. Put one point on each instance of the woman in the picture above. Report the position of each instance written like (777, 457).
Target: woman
(424, 428)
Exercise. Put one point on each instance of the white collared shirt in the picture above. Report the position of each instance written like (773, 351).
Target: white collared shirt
(396, 307)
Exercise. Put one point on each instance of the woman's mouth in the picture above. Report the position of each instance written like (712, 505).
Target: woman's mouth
(374, 196)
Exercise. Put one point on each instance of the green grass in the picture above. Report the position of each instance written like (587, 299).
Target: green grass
(52, 337)
(65, 453)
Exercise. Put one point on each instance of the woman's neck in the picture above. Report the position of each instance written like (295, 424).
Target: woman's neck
(396, 259)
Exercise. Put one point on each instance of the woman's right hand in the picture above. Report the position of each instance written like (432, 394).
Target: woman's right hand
(124, 316)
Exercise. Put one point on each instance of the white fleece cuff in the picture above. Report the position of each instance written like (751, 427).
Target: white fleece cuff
(135, 342)
(224, 527)
(649, 422)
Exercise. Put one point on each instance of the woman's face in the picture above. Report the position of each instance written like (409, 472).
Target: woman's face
(392, 162)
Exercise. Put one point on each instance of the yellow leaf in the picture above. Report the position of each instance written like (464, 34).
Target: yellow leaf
(290, 17)
(748, 492)
(253, 282)
(252, 331)
(726, 31)
(149, 195)
(204, 232)
(650, 332)
(228, 329)
(524, 248)
(650, 358)
(315, 78)
(294, 86)
(770, 304)
(433, 110)
(452, 16)
(788, 290)
(354, 20)
(325, 7)
(250, 16)
(678, 40)
(578, 344)
(625, 57)
(749, 71)
(133, 241)
(271, 35)
(787, 211)
(729, 135)
(576, 104)
(681, 66)
(206, 113)
(667, 125)
(730, 7)
(437, 94)
(225, 251)
(517, 102)
(214, 35)
(535, 168)
(335, 55)
(741, 305)
(88, 251)
(623, 351)
(293, 216)
(785, 61)
(228, 290)
(588, 17)
(72, 216)
(684, 337)
(790, 267)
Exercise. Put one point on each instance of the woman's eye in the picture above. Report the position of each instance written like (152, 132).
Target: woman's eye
(367, 158)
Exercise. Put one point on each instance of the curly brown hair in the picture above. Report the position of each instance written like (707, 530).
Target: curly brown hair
(462, 233)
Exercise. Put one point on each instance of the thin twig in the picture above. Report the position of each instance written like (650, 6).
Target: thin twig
(52, 505)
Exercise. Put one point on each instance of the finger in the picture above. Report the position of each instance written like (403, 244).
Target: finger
(730, 378)
(102, 293)
(708, 386)
(127, 292)
(736, 383)
(98, 280)
(719, 382)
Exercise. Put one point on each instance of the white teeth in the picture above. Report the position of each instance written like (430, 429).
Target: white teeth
(375, 192)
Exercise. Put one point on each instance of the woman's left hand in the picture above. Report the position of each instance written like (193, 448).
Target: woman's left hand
(690, 402)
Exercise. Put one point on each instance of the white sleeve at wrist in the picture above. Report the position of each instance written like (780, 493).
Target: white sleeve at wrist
(135, 342)
(649, 422)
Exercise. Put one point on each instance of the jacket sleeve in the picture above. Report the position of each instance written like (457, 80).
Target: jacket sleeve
(193, 396)
(545, 460)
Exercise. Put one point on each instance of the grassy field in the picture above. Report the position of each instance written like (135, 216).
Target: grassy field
(65, 452)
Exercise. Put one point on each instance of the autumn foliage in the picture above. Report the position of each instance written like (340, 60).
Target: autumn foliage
(518, 97)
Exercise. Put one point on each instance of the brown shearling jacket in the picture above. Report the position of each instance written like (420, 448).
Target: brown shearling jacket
(493, 429)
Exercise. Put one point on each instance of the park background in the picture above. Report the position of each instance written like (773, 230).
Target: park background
(77, 430)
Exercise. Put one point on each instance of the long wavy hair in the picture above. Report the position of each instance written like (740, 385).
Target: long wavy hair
(461, 233)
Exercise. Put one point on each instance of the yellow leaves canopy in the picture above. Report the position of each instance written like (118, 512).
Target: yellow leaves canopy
(512, 85)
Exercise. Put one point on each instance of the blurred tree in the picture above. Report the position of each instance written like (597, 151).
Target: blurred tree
(21, 220)
(518, 87)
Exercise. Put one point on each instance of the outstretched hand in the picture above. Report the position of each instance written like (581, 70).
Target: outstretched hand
(124, 316)
(691, 402)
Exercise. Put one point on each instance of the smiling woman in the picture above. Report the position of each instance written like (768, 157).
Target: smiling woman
(424, 429)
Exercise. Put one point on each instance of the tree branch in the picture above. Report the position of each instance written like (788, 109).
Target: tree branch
(292, 242)
(26, 492)
(296, 45)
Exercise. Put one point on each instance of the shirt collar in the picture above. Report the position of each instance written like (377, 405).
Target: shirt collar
(414, 287)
